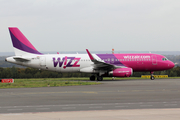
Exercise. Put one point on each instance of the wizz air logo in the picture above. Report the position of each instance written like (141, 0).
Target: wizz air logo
(66, 62)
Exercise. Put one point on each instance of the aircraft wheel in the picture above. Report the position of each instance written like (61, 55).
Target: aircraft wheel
(99, 78)
(152, 77)
(92, 78)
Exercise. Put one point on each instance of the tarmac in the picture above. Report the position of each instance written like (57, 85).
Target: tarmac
(118, 99)
(135, 114)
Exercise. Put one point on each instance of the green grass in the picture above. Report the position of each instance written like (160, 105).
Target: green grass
(45, 82)
(129, 78)
(54, 82)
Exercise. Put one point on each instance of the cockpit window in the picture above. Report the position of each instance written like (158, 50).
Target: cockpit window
(164, 59)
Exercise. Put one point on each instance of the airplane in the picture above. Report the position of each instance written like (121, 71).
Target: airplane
(99, 65)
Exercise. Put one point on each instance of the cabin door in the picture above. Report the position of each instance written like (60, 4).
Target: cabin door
(42, 62)
(154, 59)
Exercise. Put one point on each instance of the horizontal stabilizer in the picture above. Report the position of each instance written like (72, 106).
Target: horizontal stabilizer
(21, 59)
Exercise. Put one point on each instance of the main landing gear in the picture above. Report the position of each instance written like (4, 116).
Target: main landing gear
(99, 78)
(93, 78)
(152, 76)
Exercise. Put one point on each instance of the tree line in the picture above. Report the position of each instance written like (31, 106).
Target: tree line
(14, 72)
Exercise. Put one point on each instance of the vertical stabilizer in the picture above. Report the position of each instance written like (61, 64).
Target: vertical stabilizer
(21, 44)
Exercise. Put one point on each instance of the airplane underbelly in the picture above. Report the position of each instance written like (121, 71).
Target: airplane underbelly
(140, 66)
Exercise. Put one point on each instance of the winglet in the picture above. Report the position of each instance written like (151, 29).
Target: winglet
(90, 56)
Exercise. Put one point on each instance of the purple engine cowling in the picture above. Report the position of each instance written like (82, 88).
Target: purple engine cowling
(121, 72)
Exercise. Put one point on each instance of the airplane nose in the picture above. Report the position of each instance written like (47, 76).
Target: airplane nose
(171, 64)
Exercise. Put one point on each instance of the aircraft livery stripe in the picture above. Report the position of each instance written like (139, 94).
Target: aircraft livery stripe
(110, 58)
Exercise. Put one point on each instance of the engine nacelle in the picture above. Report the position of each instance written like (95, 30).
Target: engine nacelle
(121, 72)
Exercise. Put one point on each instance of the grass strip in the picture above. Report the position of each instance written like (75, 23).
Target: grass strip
(54, 82)
(44, 82)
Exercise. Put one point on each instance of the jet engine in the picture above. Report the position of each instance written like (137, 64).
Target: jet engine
(121, 72)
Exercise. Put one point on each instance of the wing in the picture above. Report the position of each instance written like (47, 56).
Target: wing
(101, 64)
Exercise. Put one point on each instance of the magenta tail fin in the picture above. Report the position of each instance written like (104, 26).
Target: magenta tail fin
(21, 43)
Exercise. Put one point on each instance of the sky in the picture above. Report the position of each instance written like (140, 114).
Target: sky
(97, 25)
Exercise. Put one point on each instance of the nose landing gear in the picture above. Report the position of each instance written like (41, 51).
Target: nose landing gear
(152, 76)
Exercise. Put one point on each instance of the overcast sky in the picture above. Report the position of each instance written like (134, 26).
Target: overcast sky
(99, 25)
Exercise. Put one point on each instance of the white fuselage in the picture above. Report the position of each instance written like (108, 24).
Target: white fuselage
(57, 62)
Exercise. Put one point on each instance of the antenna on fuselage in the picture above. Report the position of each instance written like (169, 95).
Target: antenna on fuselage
(113, 51)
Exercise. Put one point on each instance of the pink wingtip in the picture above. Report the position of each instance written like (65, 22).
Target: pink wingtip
(90, 56)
